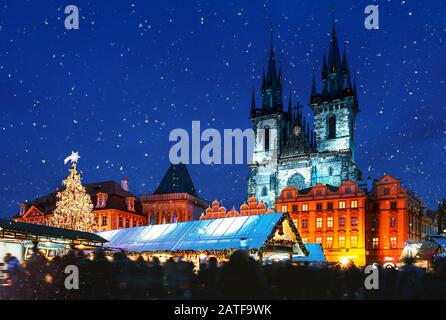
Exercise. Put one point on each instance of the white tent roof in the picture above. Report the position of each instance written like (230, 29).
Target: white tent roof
(200, 235)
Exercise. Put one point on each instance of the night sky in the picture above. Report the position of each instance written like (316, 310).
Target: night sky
(135, 70)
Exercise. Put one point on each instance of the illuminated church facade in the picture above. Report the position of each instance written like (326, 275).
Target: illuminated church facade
(287, 151)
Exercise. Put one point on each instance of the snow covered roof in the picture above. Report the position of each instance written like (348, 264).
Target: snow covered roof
(260, 231)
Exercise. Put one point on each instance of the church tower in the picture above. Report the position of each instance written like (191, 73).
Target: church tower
(270, 124)
(336, 106)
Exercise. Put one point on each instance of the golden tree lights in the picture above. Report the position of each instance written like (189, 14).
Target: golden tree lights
(74, 207)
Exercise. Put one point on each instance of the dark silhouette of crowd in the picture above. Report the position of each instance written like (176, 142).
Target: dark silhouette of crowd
(239, 278)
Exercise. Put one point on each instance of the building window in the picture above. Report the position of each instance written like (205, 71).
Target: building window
(393, 242)
(354, 241)
(319, 206)
(354, 204)
(264, 192)
(329, 242)
(393, 222)
(318, 239)
(319, 222)
(329, 222)
(332, 127)
(104, 221)
(319, 192)
(330, 206)
(120, 224)
(296, 223)
(304, 223)
(348, 190)
(127, 223)
(96, 220)
(305, 240)
(386, 191)
(130, 201)
(305, 207)
(330, 171)
(101, 200)
(294, 208)
(266, 139)
(341, 204)
(341, 221)
(284, 209)
(393, 205)
(375, 223)
(375, 243)
(354, 221)
(341, 242)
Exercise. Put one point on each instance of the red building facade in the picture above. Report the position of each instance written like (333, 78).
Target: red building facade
(394, 216)
(331, 216)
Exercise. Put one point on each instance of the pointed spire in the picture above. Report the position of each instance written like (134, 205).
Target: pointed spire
(271, 74)
(253, 103)
(313, 86)
(334, 59)
(324, 66)
(344, 65)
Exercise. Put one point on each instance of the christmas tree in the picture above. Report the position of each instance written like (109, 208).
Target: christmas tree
(74, 207)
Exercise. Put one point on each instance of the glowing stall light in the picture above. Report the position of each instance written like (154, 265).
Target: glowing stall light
(344, 261)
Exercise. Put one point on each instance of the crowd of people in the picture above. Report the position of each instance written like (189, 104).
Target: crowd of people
(239, 278)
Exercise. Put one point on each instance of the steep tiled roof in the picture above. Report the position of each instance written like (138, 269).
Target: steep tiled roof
(177, 180)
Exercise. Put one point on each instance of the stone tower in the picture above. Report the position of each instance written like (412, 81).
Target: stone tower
(287, 150)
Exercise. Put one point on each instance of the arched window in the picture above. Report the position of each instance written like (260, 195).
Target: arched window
(332, 127)
(266, 139)
(264, 192)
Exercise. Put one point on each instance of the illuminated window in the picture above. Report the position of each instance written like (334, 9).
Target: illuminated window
(296, 223)
(318, 239)
(393, 242)
(329, 222)
(341, 204)
(354, 241)
(120, 224)
(341, 221)
(341, 242)
(319, 222)
(330, 206)
(393, 222)
(101, 200)
(329, 242)
(354, 203)
(354, 221)
(284, 209)
(305, 207)
(104, 221)
(266, 139)
(304, 223)
(305, 240)
(319, 206)
(375, 243)
(130, 201)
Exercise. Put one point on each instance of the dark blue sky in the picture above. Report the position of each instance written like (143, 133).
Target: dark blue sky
(114, 89)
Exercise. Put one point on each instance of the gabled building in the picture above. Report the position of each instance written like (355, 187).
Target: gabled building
(114, 206)
(331, 216)
(175, 199)
(287, 152)
(393, 218)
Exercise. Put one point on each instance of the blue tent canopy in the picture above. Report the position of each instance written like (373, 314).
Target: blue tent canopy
(206, 235)
(316, 254)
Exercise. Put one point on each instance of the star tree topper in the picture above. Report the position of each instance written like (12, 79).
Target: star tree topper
(73, 158)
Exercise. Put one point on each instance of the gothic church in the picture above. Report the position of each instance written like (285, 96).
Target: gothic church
(287, 151)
